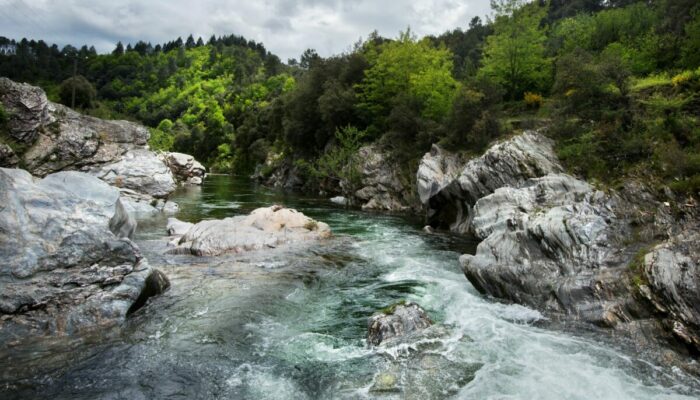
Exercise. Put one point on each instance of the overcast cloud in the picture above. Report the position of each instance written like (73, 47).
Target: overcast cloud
(286, 27)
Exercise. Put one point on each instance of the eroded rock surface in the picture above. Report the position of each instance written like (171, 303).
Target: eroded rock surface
(185, 168)
(672, 270)
(381, 186)
(268, 227)
(449, 196)
(57, 138)
(399, 320)
(68, 264)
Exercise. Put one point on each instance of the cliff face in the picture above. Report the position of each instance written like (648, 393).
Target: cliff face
(555, 243)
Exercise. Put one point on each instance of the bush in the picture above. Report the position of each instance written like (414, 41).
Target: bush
(85, 93)
(533, 100)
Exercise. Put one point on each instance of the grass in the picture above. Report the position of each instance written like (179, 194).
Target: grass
(651, 81)
(390, 309)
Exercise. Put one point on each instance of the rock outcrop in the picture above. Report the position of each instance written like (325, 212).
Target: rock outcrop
(381, 186)
(68, 264)
(185, 168)
(57, 138)
(555, 243)
(672, 274)
(449, 196)
(549, 244)
(399, 320)
(264, 228)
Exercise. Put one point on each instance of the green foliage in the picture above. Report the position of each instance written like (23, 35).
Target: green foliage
(515, 55)
(691, 45)
(79, 87)
(407, 67)
(338, 164)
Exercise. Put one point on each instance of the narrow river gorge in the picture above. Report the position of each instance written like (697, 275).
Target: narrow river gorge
(291, 324)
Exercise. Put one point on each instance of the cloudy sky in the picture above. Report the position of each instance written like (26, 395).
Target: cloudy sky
(286, 27)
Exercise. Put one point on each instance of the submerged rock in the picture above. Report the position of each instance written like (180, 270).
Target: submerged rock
(185, 168)
(450, 196)
(267, 227)
(397, 321)
(68, 264)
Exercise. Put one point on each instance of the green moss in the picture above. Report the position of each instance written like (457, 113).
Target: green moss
(390, 309)
(639, 277)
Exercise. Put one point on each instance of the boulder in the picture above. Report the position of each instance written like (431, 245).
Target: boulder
(57, 138)
(184, 167)
(339, 200)
(8, 157)
(139, 170)
(28, 109)
(672, 270)
(68, 264)
(398, 320)
(449, 196)
(263, 228)
(381, 187)
(545, 244)
(176, 227)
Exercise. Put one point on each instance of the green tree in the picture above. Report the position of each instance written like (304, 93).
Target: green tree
(407, 67)
(514, 56)
(85, 93)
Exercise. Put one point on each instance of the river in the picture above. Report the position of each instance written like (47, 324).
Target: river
(284, 324)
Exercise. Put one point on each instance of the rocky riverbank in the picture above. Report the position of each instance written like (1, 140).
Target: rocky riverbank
(49, 137)
(557, 244)
(69, 265)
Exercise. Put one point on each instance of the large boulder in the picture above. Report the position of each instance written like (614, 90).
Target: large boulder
(56, 138)
(139, 170)
(185, 168)
(263, 228)
(68, 264)
(545, 244)
(396, 321)
(450, 196)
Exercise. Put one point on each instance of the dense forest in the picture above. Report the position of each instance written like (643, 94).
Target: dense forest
(615, 83)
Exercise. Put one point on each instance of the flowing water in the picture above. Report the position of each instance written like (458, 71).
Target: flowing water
(286, 324)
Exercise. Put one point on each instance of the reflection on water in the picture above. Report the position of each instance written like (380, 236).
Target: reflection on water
(290, 324)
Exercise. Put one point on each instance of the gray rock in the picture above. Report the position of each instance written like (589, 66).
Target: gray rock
(68, 265)
(28, 109)
(184, 167)
(381, 187)
(340, 200)
(509, 163)
(268, 227)
(139, 170)
(673, 271)
(436, 170)
(399, 320)
(59, 139)
(544, 245)
(8, 157)
(176, 227)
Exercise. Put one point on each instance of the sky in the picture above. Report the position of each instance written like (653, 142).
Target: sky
(285, 27)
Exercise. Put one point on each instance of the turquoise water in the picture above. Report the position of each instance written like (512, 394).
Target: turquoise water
(291, 324)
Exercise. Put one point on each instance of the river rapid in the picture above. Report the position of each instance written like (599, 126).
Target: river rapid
(291, 324)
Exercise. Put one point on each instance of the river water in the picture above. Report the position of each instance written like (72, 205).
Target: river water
(286, 324)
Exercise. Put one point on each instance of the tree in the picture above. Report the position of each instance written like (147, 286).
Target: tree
(85, 93)
(119, 50)
(514, 56)
(406, 67)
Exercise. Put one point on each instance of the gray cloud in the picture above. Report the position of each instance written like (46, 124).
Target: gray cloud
(286, 27)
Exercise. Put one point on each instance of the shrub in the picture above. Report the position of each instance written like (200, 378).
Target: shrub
(533, 100)
(683, 79)
(85, 93)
